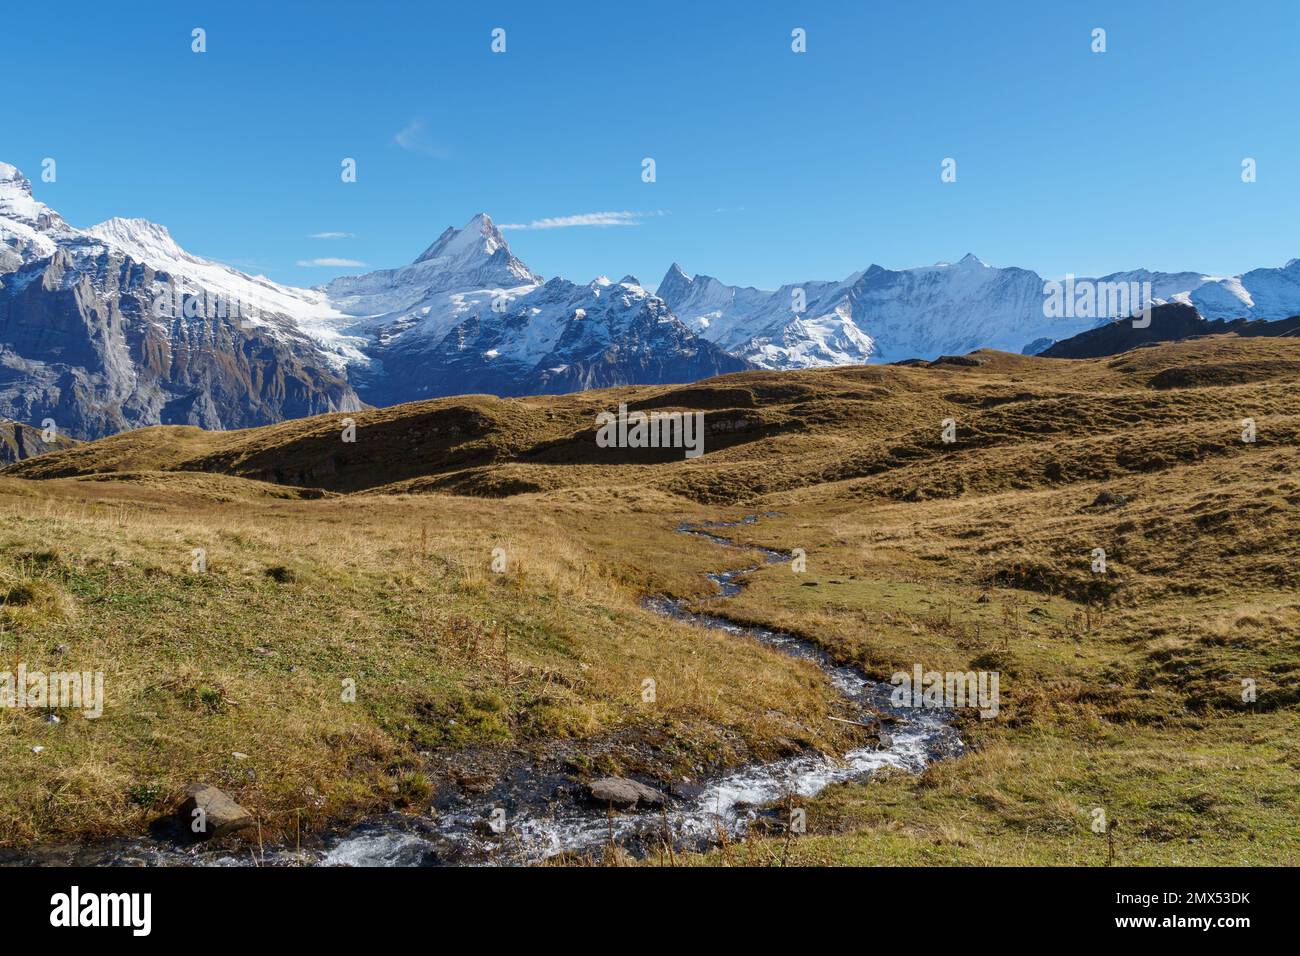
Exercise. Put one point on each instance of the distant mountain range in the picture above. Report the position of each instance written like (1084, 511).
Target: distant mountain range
(888, 315)
(115, 326)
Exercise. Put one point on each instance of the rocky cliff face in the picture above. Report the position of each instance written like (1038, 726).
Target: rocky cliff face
(80, 343)
(83, 341)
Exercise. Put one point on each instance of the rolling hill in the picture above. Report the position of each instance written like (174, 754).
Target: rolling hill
(1121, 689)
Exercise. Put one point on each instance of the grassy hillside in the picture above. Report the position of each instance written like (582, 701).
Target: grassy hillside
(370, 560)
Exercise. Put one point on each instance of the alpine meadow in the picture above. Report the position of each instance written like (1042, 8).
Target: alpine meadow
(354, 518)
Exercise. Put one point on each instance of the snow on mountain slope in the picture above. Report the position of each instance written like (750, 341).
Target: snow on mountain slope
(261, 302)
(465, 272)
(1269, 294)
(887, 315)
(157, 334)
(878, 314)
(952, 308)
(116, 327)
(764, 327)
(467, 315)
(535, 337)
(475, 257)
(28, 229)
(1259, 294)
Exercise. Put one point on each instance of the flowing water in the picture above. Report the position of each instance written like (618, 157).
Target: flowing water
(553, 818)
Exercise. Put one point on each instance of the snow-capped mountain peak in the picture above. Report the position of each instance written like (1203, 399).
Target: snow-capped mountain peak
(117, 326)
(466, 315)
(29, 229)
(463, 319)
(886, 314)
(796, 326)
(12, 179)
(144, 240)
(472, 259)
(30, 232)
(478, 238)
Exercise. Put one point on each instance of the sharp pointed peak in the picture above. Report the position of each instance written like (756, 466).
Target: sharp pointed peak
(675, 286)
(675, 278)
(479, 236)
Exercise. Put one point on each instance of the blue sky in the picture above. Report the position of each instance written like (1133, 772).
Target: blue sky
(772, 166)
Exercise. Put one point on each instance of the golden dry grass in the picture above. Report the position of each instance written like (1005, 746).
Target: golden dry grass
(395, 593)
(1120, 690)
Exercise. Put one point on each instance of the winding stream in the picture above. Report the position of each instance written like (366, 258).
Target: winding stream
(556, 819)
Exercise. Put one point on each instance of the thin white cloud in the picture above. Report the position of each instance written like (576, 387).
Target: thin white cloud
(332, 263)
(331, 235)
(414, 138)
(623, 218)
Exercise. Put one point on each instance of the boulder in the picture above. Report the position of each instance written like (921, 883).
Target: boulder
(625, 794)
(1109, 499)
(220, 815)
(686, 790)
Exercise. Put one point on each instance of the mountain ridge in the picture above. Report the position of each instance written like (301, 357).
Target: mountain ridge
(467, 315)
(887, 315)
(136, 350)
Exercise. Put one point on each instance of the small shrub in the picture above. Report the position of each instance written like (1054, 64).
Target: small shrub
(413, 789)
(145, 794)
